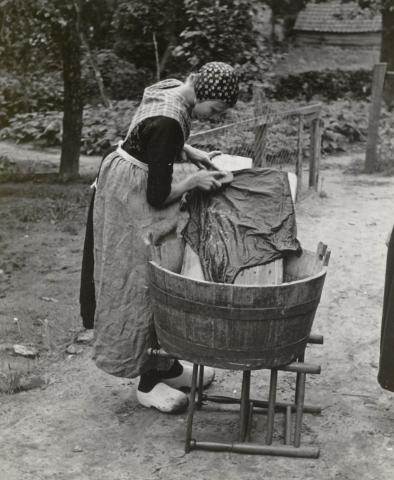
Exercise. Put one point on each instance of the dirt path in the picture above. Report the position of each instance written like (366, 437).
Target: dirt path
(29, 159)
(88, 425)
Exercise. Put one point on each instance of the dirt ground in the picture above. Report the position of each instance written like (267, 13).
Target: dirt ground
(81, 424)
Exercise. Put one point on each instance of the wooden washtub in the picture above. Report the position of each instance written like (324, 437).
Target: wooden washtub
(242, 327)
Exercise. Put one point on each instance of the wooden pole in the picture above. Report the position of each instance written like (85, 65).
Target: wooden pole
(260, 130)
(157, 61)
(245, 404)
(260, 134)
(192, 403)
(299, 155)
(97, 74)
(288, 422)
(252, 448)
(250, 421)
(263, 404)
(200, 386)
(314, 160)
(271, 406)
(371, 158)
(300, 390)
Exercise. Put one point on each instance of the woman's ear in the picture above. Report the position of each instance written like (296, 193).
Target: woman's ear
(192, 78)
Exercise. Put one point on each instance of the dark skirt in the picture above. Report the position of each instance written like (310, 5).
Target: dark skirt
(386, 364)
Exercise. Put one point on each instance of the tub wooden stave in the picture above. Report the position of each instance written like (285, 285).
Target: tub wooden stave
(241, 327)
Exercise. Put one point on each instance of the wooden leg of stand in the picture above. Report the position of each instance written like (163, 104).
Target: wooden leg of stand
(300, 395)
(245, 404)
(271, 407)
(300, 359)
(250, 421)
(192, 402)
(200, 386)
(288, 426)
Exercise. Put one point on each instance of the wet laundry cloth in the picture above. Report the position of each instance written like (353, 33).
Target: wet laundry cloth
(386, 364)
(247, 223)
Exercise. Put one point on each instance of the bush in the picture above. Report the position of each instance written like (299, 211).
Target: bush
(221, 30)
(327, 85)
(102, 127)
(122, 80)
(345, 122)
(386, 143)
(40, 128)
(43, 91)
(36, 92)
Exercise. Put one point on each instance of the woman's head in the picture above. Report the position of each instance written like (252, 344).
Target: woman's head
(216, 89)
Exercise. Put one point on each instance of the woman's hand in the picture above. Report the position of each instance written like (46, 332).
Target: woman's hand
(202, 159)
(205, 180)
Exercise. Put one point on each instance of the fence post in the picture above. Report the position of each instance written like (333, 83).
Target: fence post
(260, 130)
(299, 154)
(314, 156)
(260, 135)
(371, 156)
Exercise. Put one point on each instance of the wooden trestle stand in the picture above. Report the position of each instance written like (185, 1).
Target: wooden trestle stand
(293, 412)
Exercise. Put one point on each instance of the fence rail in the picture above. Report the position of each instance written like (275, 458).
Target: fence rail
(272, 138)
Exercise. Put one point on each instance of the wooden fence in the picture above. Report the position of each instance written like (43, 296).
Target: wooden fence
(308, 116)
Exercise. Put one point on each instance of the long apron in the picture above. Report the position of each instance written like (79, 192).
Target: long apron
(386, 364)
(124, 224)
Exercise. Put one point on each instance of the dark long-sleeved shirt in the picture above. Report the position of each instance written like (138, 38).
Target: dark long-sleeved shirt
(158, 142)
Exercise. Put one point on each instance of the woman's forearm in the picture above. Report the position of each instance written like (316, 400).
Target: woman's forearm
(178, 189)
(203, 180)
(188, 150)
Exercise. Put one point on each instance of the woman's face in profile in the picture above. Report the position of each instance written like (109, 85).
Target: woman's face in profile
(208, 108)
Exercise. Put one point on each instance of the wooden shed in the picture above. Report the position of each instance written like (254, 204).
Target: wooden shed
(338, 24)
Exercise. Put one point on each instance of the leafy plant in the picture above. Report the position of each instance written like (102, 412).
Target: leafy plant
(220, 30)
(345, 122)
(386, 143)
(122, 80)
(327, 84)
(139, 24)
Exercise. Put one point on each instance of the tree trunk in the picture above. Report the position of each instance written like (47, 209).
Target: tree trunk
(273, 25)
(387, 50)
(156, 56)
(165, 57)
(73, 104)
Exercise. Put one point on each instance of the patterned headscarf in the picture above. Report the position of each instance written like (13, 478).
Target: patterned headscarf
(217, 81)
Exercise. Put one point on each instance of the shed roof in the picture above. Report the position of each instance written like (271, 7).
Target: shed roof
(336, 16)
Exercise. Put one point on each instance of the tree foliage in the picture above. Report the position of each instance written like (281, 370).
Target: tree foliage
(135, 23)
(30, 30)
(24, 42)
(198, 31)
(56, 24)
(285, 10)
(217, 30)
